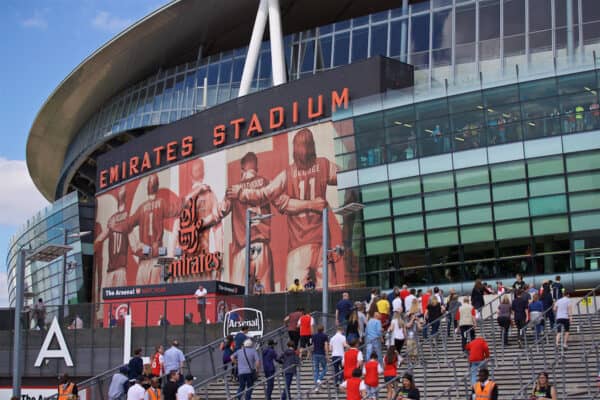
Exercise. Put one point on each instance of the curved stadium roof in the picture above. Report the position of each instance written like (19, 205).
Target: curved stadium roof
(170, 35)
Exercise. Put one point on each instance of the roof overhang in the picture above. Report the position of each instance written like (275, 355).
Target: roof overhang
(169, 36)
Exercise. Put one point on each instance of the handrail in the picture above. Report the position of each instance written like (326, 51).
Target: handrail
(458, 381)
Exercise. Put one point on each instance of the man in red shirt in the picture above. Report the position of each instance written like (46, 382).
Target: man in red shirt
(292, 322)
(478, 352)
(305, 323)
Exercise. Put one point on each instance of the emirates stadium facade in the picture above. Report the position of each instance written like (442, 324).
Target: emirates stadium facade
(468, 129)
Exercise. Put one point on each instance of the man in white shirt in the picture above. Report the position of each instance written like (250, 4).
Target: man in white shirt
(408, 300)
(137, 391)
(186, 391)
(200, 296)
(563, 311)
(397, 304)
(338, 345)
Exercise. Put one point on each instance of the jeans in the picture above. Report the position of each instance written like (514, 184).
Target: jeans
(539, 328)
(550, 317)
(452, 324)
(246, 382)
(474, 370)
(521, 328)
(435, 327)
(371, 392)
(337, 370)
(319, 367)
(288, 386)
(463, 334)
(374, 345)
(504, 323)
(270, 375)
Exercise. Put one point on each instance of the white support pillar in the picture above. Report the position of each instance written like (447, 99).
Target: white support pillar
(254, 48)
(277, 52)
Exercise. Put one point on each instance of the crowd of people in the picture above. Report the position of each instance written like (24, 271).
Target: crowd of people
(375, 337)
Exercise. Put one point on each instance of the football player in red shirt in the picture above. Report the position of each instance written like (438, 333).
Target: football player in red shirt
(299, 192)
(261, 265)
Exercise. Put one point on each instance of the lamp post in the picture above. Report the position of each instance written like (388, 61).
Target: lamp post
(249, 220)
(347, 209)
(46, 253)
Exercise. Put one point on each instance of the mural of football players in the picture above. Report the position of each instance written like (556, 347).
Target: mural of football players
(261, 263)
(299, 192)
(117, 233)
(150, 218)
(206, 204)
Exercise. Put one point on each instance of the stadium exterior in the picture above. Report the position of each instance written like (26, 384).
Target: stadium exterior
(488, 165)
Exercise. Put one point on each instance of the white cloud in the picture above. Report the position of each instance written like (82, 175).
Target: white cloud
(110, 23)
(20, 199)
(37, 21)
(4, 290)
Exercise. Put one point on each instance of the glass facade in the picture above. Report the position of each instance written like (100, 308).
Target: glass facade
(44, 279)
(453, 46)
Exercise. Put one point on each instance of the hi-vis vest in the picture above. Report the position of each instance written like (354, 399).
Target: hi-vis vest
(153, 394)
(486, 392)
(65, 393)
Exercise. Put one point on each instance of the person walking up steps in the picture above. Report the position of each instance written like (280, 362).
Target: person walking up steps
(371, 370)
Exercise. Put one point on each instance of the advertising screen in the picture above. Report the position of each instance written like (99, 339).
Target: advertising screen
(196, 210)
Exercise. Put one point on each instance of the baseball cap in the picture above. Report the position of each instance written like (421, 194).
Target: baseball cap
(190, 377)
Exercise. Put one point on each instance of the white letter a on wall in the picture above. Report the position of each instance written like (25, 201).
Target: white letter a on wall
(61, 352)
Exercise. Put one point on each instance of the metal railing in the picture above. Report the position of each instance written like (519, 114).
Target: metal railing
(462, 382)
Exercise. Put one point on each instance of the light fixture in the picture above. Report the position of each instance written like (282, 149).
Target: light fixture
(408, 125)
(490, 110)
(587, 88)
(505, 115)
(397, 122)
(429, 131)
(531, 123)
(146, 250)
(480, 107)
(459, 139)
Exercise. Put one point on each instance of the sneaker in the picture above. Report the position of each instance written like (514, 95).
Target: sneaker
(318, 382)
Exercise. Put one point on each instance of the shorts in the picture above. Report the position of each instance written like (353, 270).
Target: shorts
(387, 379)
(304, 341)
(305, 261)
(116, 277)
(563, 323)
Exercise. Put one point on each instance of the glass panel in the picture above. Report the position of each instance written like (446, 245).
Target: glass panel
(538, 89)
(471, 177)
(346, 162)
(545, 166)
(508, 172)
(344, 145)
(586, 181)
(379, 40)
(442, 238)
(517, 209)
(512, 229)
(378, 228)
(583, 162)
(360, 43)
(438, 182)
(367, 123)
(548, 205)
(374, 192)
(441, 219)
(501, 95)
(408, 223)
(584, 201)
(475, 215)
(406, 187)
(473, 196)
(465, 24)
(585, 222)
(379, 246)
(439, 200)
(541, 187)
(577, 83)
(377, 210)
(473, 234)
(341, 49)
(407, 205)
(509, 191)
(410, 242)
(419, 33)
(466, 102)
(324, 52)
(543, 226)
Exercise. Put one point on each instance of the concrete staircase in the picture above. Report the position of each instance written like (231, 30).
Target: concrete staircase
(513, 367)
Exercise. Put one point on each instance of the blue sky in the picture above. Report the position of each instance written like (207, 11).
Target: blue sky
(41, 42)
